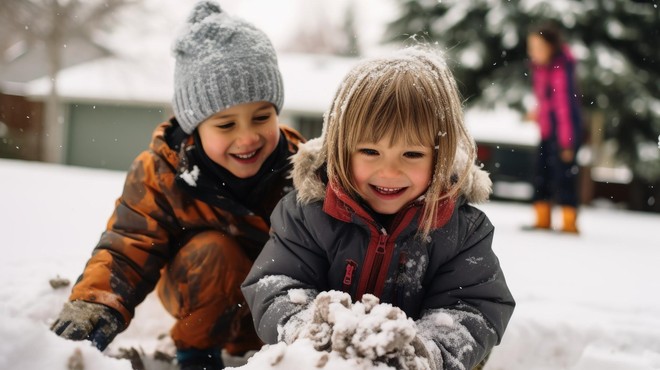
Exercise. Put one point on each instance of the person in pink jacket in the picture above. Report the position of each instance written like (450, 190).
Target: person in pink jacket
(559, 120)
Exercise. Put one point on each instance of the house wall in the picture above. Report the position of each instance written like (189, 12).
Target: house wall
(308, 124)
(109, 135)
(22, 127)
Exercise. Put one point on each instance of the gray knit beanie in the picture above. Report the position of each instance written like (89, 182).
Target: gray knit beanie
(221, 61)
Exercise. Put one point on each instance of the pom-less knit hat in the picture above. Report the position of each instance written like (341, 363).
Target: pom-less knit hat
(221, 61)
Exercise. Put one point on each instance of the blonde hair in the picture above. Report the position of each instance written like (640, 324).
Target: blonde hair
(412, 96)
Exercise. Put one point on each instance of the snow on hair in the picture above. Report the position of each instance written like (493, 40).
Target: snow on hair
(409, 95)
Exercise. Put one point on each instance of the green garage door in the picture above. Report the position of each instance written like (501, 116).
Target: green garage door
(109, 136)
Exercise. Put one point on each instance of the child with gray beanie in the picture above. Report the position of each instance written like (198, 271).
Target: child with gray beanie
(194, 212)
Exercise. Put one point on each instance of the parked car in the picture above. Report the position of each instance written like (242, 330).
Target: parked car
(506, 147)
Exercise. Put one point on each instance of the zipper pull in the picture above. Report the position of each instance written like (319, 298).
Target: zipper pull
(348, 276)
(382, 240)
(403, 260)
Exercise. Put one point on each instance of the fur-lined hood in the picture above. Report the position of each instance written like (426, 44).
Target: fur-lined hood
(311, 188)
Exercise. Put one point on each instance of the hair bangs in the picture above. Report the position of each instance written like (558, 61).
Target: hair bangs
(398, 107)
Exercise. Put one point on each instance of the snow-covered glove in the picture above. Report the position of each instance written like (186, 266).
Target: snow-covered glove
(314, 322)
(423, 351)
(385, 334)
(95, 322)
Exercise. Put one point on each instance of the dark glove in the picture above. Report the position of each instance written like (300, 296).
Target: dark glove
(80, 320)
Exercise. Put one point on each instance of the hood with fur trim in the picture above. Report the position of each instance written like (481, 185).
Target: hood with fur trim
(310, 186)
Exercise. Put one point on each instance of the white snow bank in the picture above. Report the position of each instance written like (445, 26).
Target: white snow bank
(27, 344)
(585, 302)
(301, 354)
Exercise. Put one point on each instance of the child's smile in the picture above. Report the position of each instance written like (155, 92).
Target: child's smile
(387, 192)
(245, 157)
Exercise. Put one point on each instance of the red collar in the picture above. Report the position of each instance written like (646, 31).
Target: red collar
(341, 206)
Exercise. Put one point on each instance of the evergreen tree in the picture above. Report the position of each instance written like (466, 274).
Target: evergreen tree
(615, 42)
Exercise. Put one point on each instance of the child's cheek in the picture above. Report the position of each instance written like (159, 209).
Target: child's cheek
(275, 135)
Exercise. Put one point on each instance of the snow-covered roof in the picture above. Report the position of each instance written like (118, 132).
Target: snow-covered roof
(501, 125)
(142, 66)
(310, 81)
(109, 79)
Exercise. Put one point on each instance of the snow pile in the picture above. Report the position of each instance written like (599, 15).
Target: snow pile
(301, 354)
(585, 302)
(339, 334)
(28, 344)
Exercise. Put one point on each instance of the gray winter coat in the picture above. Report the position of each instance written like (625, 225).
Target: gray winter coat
(323, 240)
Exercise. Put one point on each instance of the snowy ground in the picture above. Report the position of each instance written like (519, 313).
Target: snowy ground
(584, 303)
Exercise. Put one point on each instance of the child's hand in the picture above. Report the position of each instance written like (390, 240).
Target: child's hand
(83, 320)
(319, 331)
(423, 351)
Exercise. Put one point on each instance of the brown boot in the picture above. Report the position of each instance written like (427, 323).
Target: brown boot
(569, 215)
(543, 215)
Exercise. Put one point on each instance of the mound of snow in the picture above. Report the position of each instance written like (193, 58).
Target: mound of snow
(334, 333)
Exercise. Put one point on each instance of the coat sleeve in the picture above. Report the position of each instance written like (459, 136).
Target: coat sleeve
(563, 98)
(125, 264)
(468, 304)
(289, 272)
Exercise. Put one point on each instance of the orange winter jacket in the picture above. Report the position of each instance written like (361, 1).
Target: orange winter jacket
(161, 207)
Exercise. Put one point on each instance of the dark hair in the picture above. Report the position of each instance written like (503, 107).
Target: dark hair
(550, 32)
